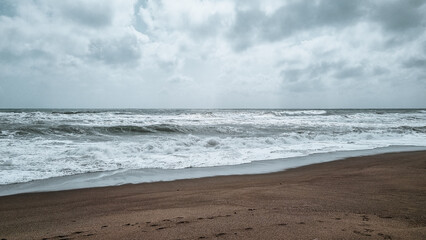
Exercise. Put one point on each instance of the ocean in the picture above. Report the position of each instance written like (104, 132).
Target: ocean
(45, 143)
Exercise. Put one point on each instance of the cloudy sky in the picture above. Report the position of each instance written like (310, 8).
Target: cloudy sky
(213, 54)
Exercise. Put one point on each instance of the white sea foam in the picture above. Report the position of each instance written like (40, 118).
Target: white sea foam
(43, 144)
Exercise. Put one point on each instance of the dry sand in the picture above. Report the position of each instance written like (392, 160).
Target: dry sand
(375, 197)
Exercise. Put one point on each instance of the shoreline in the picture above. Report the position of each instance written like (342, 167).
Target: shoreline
(137, 176)
(371, 197)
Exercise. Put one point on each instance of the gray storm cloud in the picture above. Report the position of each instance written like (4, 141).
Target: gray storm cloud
(231, 54)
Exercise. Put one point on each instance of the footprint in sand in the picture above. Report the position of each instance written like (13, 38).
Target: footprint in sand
(362, 234)
(87, 235)
(60, 237)
(384, 236)
(182, 222)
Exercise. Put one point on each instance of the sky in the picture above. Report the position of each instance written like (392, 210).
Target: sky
(212, 54)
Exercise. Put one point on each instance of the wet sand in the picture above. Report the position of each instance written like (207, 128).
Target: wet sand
(374, 197)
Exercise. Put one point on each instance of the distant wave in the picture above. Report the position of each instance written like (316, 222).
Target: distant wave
(92, 130)
(118, 130)
(75, 112)
(405, 129)
(297, 113)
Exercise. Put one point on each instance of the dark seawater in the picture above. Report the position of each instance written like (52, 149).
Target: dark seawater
(44, 143)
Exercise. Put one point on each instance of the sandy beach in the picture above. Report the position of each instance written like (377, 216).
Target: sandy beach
(374, 197)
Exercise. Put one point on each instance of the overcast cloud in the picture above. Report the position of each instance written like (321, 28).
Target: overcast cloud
(221, 53)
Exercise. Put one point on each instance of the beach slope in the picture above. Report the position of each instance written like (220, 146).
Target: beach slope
(373, 197)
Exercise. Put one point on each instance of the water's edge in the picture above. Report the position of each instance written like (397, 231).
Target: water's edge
(120, 177)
